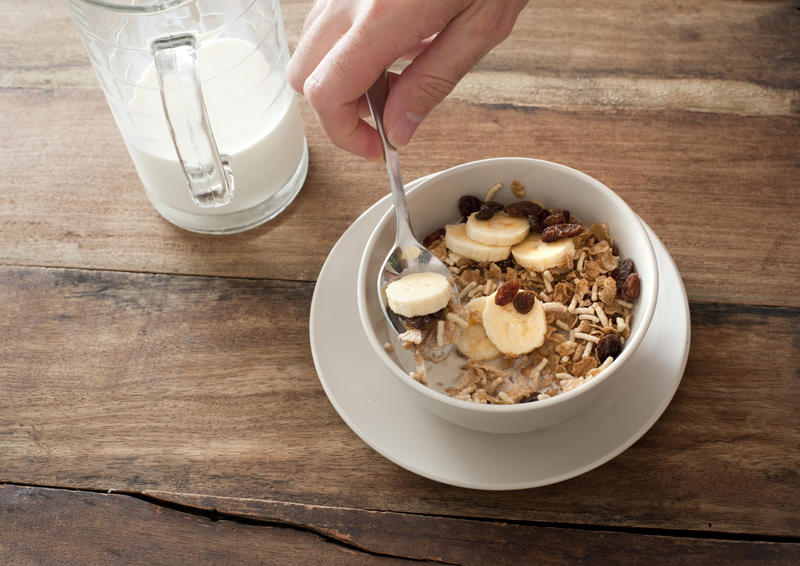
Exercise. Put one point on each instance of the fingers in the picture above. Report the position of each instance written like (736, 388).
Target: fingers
(313, 14)
(323, 27)
(352, 65)
(343, 52)
(334, 88)
(415, 51)
(434, 73)
(363, 106)
(337, 83)
(345, 46)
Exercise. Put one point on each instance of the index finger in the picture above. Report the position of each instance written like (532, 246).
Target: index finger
(374, 41)
(336, 84)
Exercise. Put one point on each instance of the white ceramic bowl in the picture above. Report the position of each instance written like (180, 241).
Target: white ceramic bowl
(433, 203)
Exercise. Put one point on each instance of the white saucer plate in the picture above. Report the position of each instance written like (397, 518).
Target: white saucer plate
(375, 405)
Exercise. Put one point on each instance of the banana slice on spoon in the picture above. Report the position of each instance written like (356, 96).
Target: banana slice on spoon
(409, 264)
(418, 294)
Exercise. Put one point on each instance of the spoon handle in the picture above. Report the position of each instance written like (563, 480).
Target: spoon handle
(376, 99)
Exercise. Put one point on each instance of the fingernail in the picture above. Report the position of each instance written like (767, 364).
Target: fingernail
(404, 128)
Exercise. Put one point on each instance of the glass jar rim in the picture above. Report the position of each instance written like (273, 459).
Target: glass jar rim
(148, 8)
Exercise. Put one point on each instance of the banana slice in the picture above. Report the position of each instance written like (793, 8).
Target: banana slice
(473, 342)
(511, 332)
(457, 241)
(417, 294)
(533, 253)
(500, 230)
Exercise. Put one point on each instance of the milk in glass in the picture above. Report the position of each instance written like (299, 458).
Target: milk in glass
(255, 119)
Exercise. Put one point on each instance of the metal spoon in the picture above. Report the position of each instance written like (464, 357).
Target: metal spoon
(408, 255)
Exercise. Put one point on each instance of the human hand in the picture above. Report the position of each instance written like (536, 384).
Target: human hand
(346, 44)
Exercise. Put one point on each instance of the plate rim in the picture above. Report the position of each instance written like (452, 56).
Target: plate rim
(631, 439)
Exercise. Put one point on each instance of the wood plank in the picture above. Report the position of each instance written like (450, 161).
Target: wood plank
(80, 527)
(720, 190)
(42, 48)
(752, 42)
(479, 542)
(205, 385)
(668, 38)
(529, 90)
(47, 526)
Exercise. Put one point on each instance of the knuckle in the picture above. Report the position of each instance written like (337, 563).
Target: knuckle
(506, 24)
(296, 81)
(435, 87)
(315, 91)
(359, 39)
(490, 35)
(341, 138)
(496, 26)
(377, 9)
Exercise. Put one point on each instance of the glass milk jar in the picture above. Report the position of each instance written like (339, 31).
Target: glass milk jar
(199, 91)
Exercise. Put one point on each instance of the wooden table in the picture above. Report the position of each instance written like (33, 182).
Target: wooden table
(158, 400)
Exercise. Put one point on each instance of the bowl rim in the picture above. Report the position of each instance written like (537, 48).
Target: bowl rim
(645, 314)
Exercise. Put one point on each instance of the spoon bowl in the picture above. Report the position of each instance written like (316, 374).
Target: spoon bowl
(408, 255)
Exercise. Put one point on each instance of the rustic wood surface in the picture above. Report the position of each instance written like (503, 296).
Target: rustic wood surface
(60, 526)
(175, 369)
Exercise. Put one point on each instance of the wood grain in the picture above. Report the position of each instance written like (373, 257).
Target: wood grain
(205, 385)
(695, 178)
(581, 85)
(718, 40)
(45, 526)
(138, 357)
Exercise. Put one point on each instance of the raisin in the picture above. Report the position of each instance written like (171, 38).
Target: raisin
(468, 204)
(524, 301)
(530, 398)
(488, 210)
(609, 345)
(506, 293)
(560, 217)
(535, 224)
(620, 274)
(552, 220)
(561, 231)
(423, 321)
(615, 250)
(431, 238)
(504, 264)
(524, 208)
(630, 289)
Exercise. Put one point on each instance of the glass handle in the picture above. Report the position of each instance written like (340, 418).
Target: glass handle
(208, 173)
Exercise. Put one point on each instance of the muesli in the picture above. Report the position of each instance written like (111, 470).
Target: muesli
(546, 302)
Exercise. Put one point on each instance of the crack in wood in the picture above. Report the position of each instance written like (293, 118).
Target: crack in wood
(213, 515)
(727, 536)
(327, 535)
